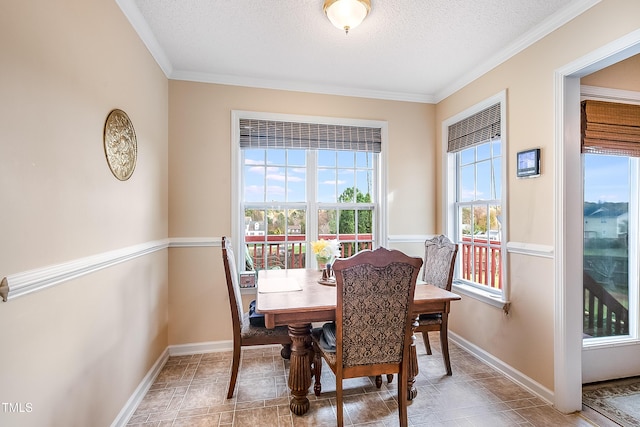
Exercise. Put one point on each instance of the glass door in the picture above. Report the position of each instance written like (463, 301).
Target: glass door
(610, 264)
(606, 245)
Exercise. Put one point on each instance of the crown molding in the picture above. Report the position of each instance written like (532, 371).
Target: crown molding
(137, 21)
(551, 24)
(294, 86)
(139, 24)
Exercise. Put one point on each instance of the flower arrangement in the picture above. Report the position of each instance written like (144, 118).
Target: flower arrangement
(325, 251)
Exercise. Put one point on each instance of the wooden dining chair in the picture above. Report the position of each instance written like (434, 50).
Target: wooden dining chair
(244, 333)
(439, 262)
(375, 291)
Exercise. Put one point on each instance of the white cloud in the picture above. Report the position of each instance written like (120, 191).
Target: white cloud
(275, 189)
(258, 170)
(254, 189)
(275, 177)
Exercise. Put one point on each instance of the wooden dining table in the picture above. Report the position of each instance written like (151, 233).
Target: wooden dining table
(295, 298)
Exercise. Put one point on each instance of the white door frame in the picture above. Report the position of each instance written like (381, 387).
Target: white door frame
(568, 211)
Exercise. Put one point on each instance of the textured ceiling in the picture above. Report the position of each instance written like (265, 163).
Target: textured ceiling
(413, 50)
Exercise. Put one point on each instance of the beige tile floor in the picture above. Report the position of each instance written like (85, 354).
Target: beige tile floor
(191, 391)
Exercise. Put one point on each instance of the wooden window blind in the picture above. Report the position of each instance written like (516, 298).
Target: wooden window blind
(480, 127)
(610, 128)
(256, 133)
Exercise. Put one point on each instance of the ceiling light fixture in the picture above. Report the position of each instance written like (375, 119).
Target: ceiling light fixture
(346, 14)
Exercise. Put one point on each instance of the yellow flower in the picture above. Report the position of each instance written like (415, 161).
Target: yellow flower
(326, 249)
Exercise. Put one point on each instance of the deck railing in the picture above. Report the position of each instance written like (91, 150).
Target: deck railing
(276, 251)
(481, 262)
(603, 314)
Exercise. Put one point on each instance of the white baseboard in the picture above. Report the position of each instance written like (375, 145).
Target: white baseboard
(129, 408)
(518, 377)
(200, 347)
(215, 346)
(173, 350)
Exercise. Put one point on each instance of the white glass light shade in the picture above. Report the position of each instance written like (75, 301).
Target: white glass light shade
(346, 14)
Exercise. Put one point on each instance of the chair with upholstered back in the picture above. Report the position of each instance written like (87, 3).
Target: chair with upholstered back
(375, 291)
(439, 262)
(243, 332)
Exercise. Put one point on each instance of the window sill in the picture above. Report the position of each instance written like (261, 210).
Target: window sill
(607, 342)
(248, 291)
(484, 296)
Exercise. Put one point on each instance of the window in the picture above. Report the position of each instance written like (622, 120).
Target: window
(609, 272)
(610, 142)
(299, 181)
(475, 217)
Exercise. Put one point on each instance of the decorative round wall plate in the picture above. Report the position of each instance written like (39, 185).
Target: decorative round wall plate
(120, 144)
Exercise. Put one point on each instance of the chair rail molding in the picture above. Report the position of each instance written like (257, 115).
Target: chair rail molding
(410, 238)
(194, 242)
(532, 249)
(24, 283)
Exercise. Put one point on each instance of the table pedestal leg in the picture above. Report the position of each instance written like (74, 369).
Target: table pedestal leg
(300, 368)
(412, 371)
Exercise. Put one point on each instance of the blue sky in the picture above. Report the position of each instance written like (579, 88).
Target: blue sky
(606, 178)
(284, 175)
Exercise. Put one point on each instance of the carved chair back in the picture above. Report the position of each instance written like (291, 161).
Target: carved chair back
(375, 291)
(439, 261)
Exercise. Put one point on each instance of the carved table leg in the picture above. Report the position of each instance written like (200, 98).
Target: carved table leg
(412, 373)
(300, 368)
(285, 351)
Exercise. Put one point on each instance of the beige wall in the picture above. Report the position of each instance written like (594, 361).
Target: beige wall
(622, 76)
(200, 175)
(78, 350)
(524, 339)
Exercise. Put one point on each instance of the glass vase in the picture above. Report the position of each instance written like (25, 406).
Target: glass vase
(322, 262)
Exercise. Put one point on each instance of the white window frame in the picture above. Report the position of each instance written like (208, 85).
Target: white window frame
(633, 231)
(450, 183)
(629, 97)
(380, 234)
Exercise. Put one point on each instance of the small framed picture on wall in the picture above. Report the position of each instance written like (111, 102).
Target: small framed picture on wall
(528, 162)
